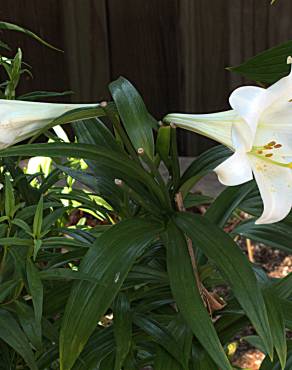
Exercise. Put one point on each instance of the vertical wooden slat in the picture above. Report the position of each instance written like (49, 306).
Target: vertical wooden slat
(204, 38)
(143, 48)
(86, 48)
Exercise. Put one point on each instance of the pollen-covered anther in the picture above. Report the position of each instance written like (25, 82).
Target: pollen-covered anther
(272, 143)
(268, 147)
(269, 155)
(259, 152)
(277, 146)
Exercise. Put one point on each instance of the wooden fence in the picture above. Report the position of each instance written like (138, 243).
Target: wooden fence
(174, 51)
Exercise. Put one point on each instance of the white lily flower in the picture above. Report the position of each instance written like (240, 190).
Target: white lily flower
(20, 120)
(259, 131)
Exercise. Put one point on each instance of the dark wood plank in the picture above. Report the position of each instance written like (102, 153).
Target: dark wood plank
(86, 48)
(144, 37)
(204, 36)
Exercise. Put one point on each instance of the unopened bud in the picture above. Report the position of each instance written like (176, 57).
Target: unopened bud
(118, 182)
(140, 151)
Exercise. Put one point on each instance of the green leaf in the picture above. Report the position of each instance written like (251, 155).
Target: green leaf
(276, 235)
(72, 116)
(161, 335)
(234, 267)
(93, 131)
(26, 317)
(277, 324)
(11, 333)
(38, 219)
(163, 143)
(14, 27)
(268, 66)
(109, 261)
(36, 290)
(37, 95)
(9, 198)
(122, 329)
(120, 165)
(136, 119)
(205, 163)
(184, 336)
(224, 205)
(188, 298)
(267, 364)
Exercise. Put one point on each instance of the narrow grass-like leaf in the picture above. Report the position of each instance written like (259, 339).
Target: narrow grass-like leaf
(277, 324)
(188, 298)
(205, 163)
(37, 292)
(222, 208)
(11, 333)
(275, 235)
(122, 329)
(14, 27)
(161, 335)
(109, 261)
(234, 267)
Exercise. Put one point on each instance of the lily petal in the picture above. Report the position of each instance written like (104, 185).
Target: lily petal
(247, 101)
(20, 120)
(235, 170)
(275, 186)
(216, 126)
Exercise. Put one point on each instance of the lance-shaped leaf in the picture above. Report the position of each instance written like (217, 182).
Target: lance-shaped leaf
(234, 267)
(109, 261)
(136, 119)
(268, 66)
(11, 333)
(188, 298)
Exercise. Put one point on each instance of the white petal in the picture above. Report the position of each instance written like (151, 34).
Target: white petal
(20, 120)
(275, 186)
(216, 126)
(259, 106)
(247, 101)
(235, 170)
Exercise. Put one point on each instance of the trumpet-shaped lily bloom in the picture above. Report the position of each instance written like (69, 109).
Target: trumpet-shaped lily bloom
(259, 131)
(20, 119)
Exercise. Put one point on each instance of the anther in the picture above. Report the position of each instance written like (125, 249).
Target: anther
(268, 147)
(278, 146)
(268, 155)
(272, 143)
(259, 151)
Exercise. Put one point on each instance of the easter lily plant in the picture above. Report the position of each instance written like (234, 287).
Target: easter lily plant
(258, 129)
(106, 264)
